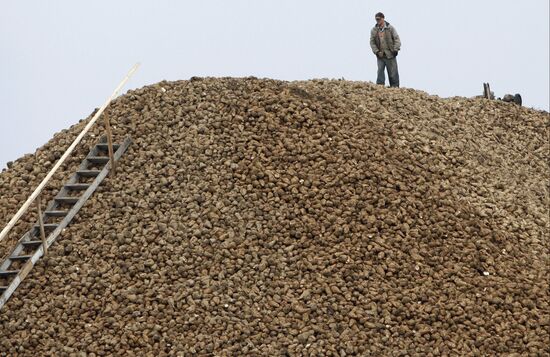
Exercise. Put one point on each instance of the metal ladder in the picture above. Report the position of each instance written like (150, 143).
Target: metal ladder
(66, 204)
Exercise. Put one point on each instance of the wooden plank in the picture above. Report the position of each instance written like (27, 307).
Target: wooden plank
(487, 91)
(41, 223)
(77, 186)
(21, 257)
(98, 159)
(110, 142)
(71, 148)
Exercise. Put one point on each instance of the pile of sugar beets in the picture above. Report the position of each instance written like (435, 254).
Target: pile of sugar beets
(324, 217)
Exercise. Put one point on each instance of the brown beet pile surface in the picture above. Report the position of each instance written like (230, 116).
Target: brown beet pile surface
(260, 217)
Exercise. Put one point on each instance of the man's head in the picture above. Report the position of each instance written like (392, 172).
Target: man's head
(380, 18)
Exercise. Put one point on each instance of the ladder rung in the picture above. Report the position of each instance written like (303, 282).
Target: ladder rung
(67, 199)
(47, 226)
(105, 146)
(98, 159)
(55, 213)
(9, 273)
(3, 288)
(88, 173)
(32, 243)
(77, 186)
(21, 257)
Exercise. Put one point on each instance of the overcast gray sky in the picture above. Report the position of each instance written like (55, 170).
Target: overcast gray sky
(61, 59)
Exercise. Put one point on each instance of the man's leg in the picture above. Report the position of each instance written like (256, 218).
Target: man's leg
(393, 72)
(381, 79)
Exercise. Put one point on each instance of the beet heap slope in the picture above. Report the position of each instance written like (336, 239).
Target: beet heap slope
(267, 217)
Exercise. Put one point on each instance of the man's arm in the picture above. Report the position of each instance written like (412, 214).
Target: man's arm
(373, 45)
(396, 39)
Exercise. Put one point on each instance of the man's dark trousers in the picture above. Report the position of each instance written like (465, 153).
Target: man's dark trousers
(393, 73)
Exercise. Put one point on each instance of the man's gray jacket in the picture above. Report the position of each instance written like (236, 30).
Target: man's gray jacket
(391, 42)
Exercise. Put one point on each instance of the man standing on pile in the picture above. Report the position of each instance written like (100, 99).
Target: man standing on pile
(385, 44)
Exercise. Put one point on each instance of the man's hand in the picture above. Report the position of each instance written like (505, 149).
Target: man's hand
(380, 54)
(395, 53)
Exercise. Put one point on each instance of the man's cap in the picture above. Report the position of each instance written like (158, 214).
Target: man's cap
(380, 15)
